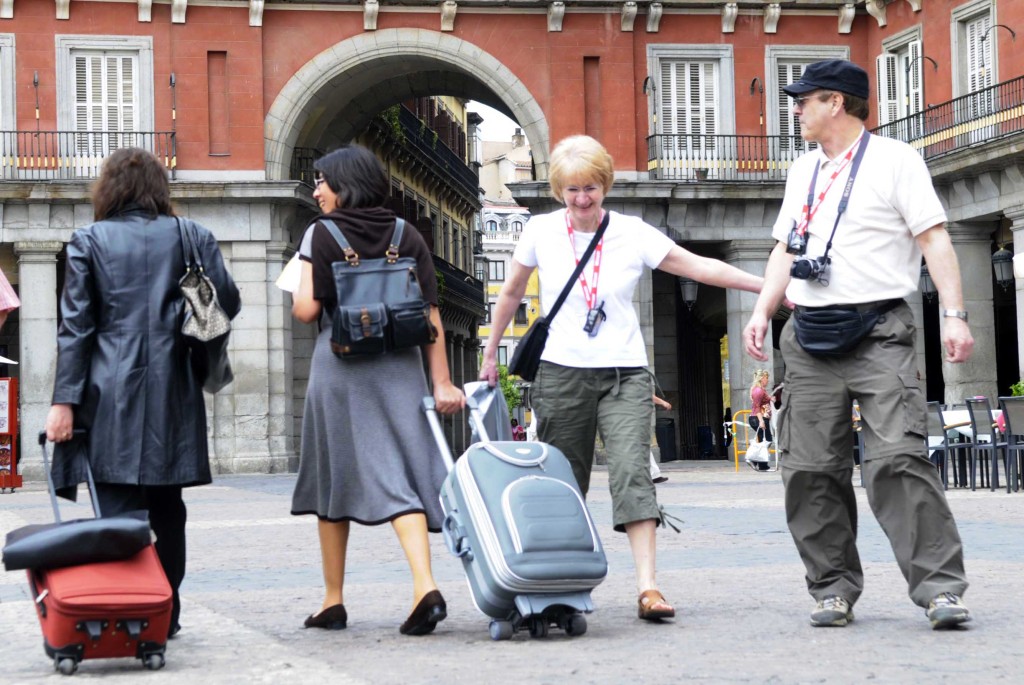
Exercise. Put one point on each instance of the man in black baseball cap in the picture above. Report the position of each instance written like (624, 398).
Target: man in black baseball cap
(831, 74)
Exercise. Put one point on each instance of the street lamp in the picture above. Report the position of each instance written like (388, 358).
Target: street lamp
(688, 289)
(927, 284)
(1002, 265)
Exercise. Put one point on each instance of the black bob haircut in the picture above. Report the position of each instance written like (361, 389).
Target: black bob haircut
(355, 175)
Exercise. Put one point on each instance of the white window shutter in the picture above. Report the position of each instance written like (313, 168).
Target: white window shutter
(916, 64)
(888, 98)
(979, 59)
(789, 123)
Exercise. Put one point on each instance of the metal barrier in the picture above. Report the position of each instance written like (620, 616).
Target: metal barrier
(739, 418)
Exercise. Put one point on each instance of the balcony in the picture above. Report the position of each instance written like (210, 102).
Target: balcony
(456, 287)
(968, 121)
(980, 117)
(74, 155)
(697, 157)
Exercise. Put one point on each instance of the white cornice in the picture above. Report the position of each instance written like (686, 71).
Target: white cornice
(256, 12)
(628, 15)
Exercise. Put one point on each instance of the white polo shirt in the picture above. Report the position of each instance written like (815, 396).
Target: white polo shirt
(874, 254)
(629, 246)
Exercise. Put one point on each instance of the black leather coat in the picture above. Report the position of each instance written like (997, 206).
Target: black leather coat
(122, 361)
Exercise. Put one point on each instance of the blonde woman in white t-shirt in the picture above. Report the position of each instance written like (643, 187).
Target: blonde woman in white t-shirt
(593, 374)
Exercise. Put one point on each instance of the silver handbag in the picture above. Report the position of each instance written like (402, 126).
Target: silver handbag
(205, 326)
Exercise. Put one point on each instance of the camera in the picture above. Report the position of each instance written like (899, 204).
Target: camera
(811, 269)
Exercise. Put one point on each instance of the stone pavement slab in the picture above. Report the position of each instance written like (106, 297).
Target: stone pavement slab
(733, 575)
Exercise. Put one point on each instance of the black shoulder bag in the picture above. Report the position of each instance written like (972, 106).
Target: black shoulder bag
(380, 303)
(526, 358)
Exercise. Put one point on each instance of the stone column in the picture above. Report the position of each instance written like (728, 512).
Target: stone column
(750, 256)
(242, 410)
(1016, 216)
(978, 375)
(37, 273)
(281, 423)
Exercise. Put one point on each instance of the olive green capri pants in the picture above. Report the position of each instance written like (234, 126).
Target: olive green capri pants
(574, 404)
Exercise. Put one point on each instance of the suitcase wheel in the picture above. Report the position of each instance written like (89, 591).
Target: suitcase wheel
(501, 630)
(154, 662)
(66, 665)
(575, 625)
(538, 626)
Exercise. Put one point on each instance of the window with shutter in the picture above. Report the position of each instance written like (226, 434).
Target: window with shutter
(9, 149)
(104, 95)
(888, 88)
(979, 58)
(789, 123)
(692, 108)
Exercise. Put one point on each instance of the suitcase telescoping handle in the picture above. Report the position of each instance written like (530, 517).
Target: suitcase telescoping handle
(429, 407)
(78, 433)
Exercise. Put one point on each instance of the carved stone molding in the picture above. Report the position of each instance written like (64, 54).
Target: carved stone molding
(448, 10)
(915, 5)
(145, 10)
(63, 9)
(654, 11)
(628, 15)
(846, 13)
(730, 11)
(6, 9)
(370, 10)
(556, 13)
(772, 14)
(876, 8)
(255, 12)
(178, 8)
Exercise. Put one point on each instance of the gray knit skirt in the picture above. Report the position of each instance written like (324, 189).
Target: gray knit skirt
(367, 452)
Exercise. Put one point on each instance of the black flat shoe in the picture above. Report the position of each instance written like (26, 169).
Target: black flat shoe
(173, 632)
(428, 613)
(331, 618)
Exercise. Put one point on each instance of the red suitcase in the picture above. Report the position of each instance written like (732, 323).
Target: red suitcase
(105, 610)
(102, 610)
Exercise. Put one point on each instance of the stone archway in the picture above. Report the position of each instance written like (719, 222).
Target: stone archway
(386, 62)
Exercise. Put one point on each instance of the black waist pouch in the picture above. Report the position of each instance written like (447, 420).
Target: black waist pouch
(835, 332)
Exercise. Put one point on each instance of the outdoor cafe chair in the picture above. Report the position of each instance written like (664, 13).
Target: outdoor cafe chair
(984, 438)
(938, 444)
(1013, 415)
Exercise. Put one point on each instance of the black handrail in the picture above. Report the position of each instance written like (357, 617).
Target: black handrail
(698, 157)
(968, 120)
(75, 155)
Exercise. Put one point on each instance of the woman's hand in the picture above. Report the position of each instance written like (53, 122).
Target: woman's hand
(60, 423)
(489, 370)
(448, 398)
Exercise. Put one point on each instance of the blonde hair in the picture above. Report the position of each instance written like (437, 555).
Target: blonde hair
(579, 158)
(758, 375)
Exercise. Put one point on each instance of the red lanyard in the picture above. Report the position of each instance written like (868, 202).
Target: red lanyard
(808, 212)
(589, 294)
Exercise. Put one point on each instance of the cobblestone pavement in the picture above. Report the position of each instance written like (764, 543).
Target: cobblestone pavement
(733, 575)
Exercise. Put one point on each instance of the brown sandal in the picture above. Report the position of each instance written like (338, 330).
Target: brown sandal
(646, 606)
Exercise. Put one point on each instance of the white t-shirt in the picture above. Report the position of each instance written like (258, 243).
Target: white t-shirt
(874, 254)
(629, 246)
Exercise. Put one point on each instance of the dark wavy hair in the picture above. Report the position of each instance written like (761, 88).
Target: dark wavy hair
(131, 177)
(355, 175)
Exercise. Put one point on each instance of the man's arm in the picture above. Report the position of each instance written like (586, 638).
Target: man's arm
(944, 270)
(776, 278)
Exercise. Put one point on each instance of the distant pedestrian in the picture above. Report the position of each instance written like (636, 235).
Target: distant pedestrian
(123, 370)
(852, 336)
(518, 432)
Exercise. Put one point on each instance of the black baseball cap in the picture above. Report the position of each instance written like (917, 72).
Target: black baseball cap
(831, 74)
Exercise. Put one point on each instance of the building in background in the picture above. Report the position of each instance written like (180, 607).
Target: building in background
(237, 95)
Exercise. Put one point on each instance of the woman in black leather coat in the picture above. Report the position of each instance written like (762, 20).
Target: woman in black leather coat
(123, 371)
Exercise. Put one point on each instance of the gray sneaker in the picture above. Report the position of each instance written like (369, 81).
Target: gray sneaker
(947, 610)
(832, 611)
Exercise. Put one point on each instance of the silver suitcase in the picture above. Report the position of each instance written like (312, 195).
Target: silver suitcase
(515, 516)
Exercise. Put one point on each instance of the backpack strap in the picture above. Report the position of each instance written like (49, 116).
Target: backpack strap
(351, 258)
(396, 238)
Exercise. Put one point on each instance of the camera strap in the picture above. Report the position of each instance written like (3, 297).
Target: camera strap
(845, 199)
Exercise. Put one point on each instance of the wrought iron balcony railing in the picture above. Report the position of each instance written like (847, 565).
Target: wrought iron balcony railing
(74, 155)
(978, 117)
(697, 157)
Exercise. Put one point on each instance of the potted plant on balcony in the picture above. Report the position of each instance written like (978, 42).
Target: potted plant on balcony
(701, 173)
